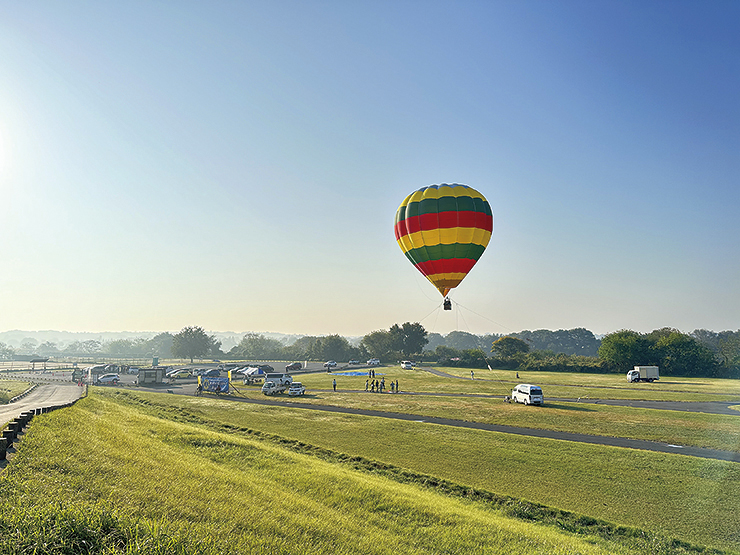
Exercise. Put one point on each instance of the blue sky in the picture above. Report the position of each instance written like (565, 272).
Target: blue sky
(237, 165)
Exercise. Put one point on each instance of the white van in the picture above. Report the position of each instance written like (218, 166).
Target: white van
(282, 379)
(528, 394)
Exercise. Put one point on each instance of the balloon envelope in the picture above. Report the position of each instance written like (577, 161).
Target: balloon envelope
(443, 230)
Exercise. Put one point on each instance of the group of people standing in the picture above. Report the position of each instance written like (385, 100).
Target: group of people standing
(371, 384)
(379, 386)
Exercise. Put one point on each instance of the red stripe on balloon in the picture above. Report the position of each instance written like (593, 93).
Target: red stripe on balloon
(443, 220)
(446, 266)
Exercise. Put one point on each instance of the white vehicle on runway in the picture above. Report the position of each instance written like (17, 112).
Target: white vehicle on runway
(297, 388)
(273, 388)
(528, 394)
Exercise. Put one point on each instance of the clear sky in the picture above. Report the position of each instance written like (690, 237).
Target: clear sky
(238, 165)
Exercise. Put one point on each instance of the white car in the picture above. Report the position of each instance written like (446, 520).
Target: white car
(373, 362)
(407, 364)
(108, 378)
(528, 394)
(297, 388)
(330, 364)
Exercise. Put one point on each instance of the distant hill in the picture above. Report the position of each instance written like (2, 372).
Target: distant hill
(14, 338)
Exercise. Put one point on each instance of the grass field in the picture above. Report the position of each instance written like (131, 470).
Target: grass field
(11, 388)
(681, 428)
(555, 384)
(133, 472)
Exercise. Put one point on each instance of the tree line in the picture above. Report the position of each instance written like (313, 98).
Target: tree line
(700, 353)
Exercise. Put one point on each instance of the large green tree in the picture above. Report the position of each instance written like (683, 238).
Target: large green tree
(379, 344)
(160, 345)
(333, 347)
(682, 355)
(577, 341)
(626, 348)
(508, 347)
(192, 342)
(408, 339)
(676, 353)
(462, 340)
(258, 347)
(6, 352)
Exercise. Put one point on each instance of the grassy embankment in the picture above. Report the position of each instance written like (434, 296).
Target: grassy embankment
(455, 398)
(156, 473)
(11, 388)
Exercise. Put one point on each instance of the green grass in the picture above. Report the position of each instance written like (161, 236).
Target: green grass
(555, 384)
(696, 500)
(125, 473)
(11, 388)
(675, 427)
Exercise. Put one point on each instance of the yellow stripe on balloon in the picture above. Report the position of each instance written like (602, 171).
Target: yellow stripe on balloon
(405, 243)
(445, 191)
(445, 236)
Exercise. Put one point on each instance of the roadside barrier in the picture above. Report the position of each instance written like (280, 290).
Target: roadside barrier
(22, 395)
(15, 427)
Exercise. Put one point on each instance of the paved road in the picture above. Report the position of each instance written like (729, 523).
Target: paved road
(43, 396)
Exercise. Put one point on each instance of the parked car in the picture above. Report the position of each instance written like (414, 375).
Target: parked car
(108, 378)
(181, 374)
(330, 364)
(133, 370)
(407, 364)
(528, 394)
(227, 367)
(273, 388)
(354, 362)
(293, 366)
(212, 373)
(373, 362)
(297, 388)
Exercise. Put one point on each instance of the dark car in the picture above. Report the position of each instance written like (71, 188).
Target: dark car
(293, 366)
(212, 373)
(266, 368)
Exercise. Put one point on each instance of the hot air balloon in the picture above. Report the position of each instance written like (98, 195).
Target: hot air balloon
(443, 230)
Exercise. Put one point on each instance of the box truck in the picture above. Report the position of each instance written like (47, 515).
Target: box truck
(643, 374)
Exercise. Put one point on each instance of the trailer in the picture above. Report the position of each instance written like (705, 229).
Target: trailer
(643, 374)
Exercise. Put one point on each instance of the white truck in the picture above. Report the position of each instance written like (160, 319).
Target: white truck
(276, 383)
(643, 374)
(273, 388)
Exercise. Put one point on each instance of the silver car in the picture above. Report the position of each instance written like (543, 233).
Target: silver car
(108, 378)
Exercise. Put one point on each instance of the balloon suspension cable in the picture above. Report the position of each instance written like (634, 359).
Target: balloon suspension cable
(508, 330)
(496, 377)
(436, 309)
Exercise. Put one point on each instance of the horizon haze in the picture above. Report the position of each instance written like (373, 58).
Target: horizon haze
(239, 165)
